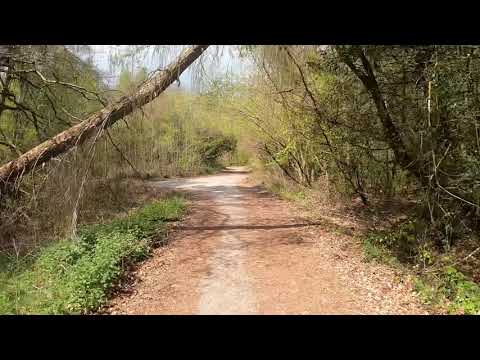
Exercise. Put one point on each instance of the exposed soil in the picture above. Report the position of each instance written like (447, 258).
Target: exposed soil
(240, 250)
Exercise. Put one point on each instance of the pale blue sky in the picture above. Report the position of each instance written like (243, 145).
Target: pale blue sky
(226, 62)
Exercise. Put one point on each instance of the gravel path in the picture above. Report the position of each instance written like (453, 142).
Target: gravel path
(242, 251)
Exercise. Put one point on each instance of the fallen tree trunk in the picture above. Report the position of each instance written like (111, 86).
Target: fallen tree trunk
(97, 122)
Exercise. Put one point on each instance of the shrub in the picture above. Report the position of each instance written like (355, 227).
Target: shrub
(215, 145)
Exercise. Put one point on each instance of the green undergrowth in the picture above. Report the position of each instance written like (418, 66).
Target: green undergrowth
(76, 275)
(450, 289)
(286, 193)
(438, 283)
(212, 169)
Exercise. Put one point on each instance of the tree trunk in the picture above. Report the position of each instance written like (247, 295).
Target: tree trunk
(97, 122)
(392, 135)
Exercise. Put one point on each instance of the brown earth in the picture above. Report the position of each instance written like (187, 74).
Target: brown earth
(240, 250)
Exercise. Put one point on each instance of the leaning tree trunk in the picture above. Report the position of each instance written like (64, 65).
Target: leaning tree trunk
(97, 122)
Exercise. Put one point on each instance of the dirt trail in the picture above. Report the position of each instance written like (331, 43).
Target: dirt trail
(242, 251)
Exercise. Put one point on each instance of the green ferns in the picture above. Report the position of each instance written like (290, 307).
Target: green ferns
(76, 276)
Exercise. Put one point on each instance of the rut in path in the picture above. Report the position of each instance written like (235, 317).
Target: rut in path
(242, 251)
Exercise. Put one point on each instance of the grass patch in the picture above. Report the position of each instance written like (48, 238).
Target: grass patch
(76, 275)
(286, 193)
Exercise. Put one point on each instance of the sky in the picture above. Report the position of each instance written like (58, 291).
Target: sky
(226, 62)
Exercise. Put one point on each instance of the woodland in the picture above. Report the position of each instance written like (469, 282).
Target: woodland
(388, 132)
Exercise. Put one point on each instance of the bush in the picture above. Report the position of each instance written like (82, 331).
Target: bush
(400, 241)
(215, 145)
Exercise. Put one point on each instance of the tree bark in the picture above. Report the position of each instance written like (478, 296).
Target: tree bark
(97, 122)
